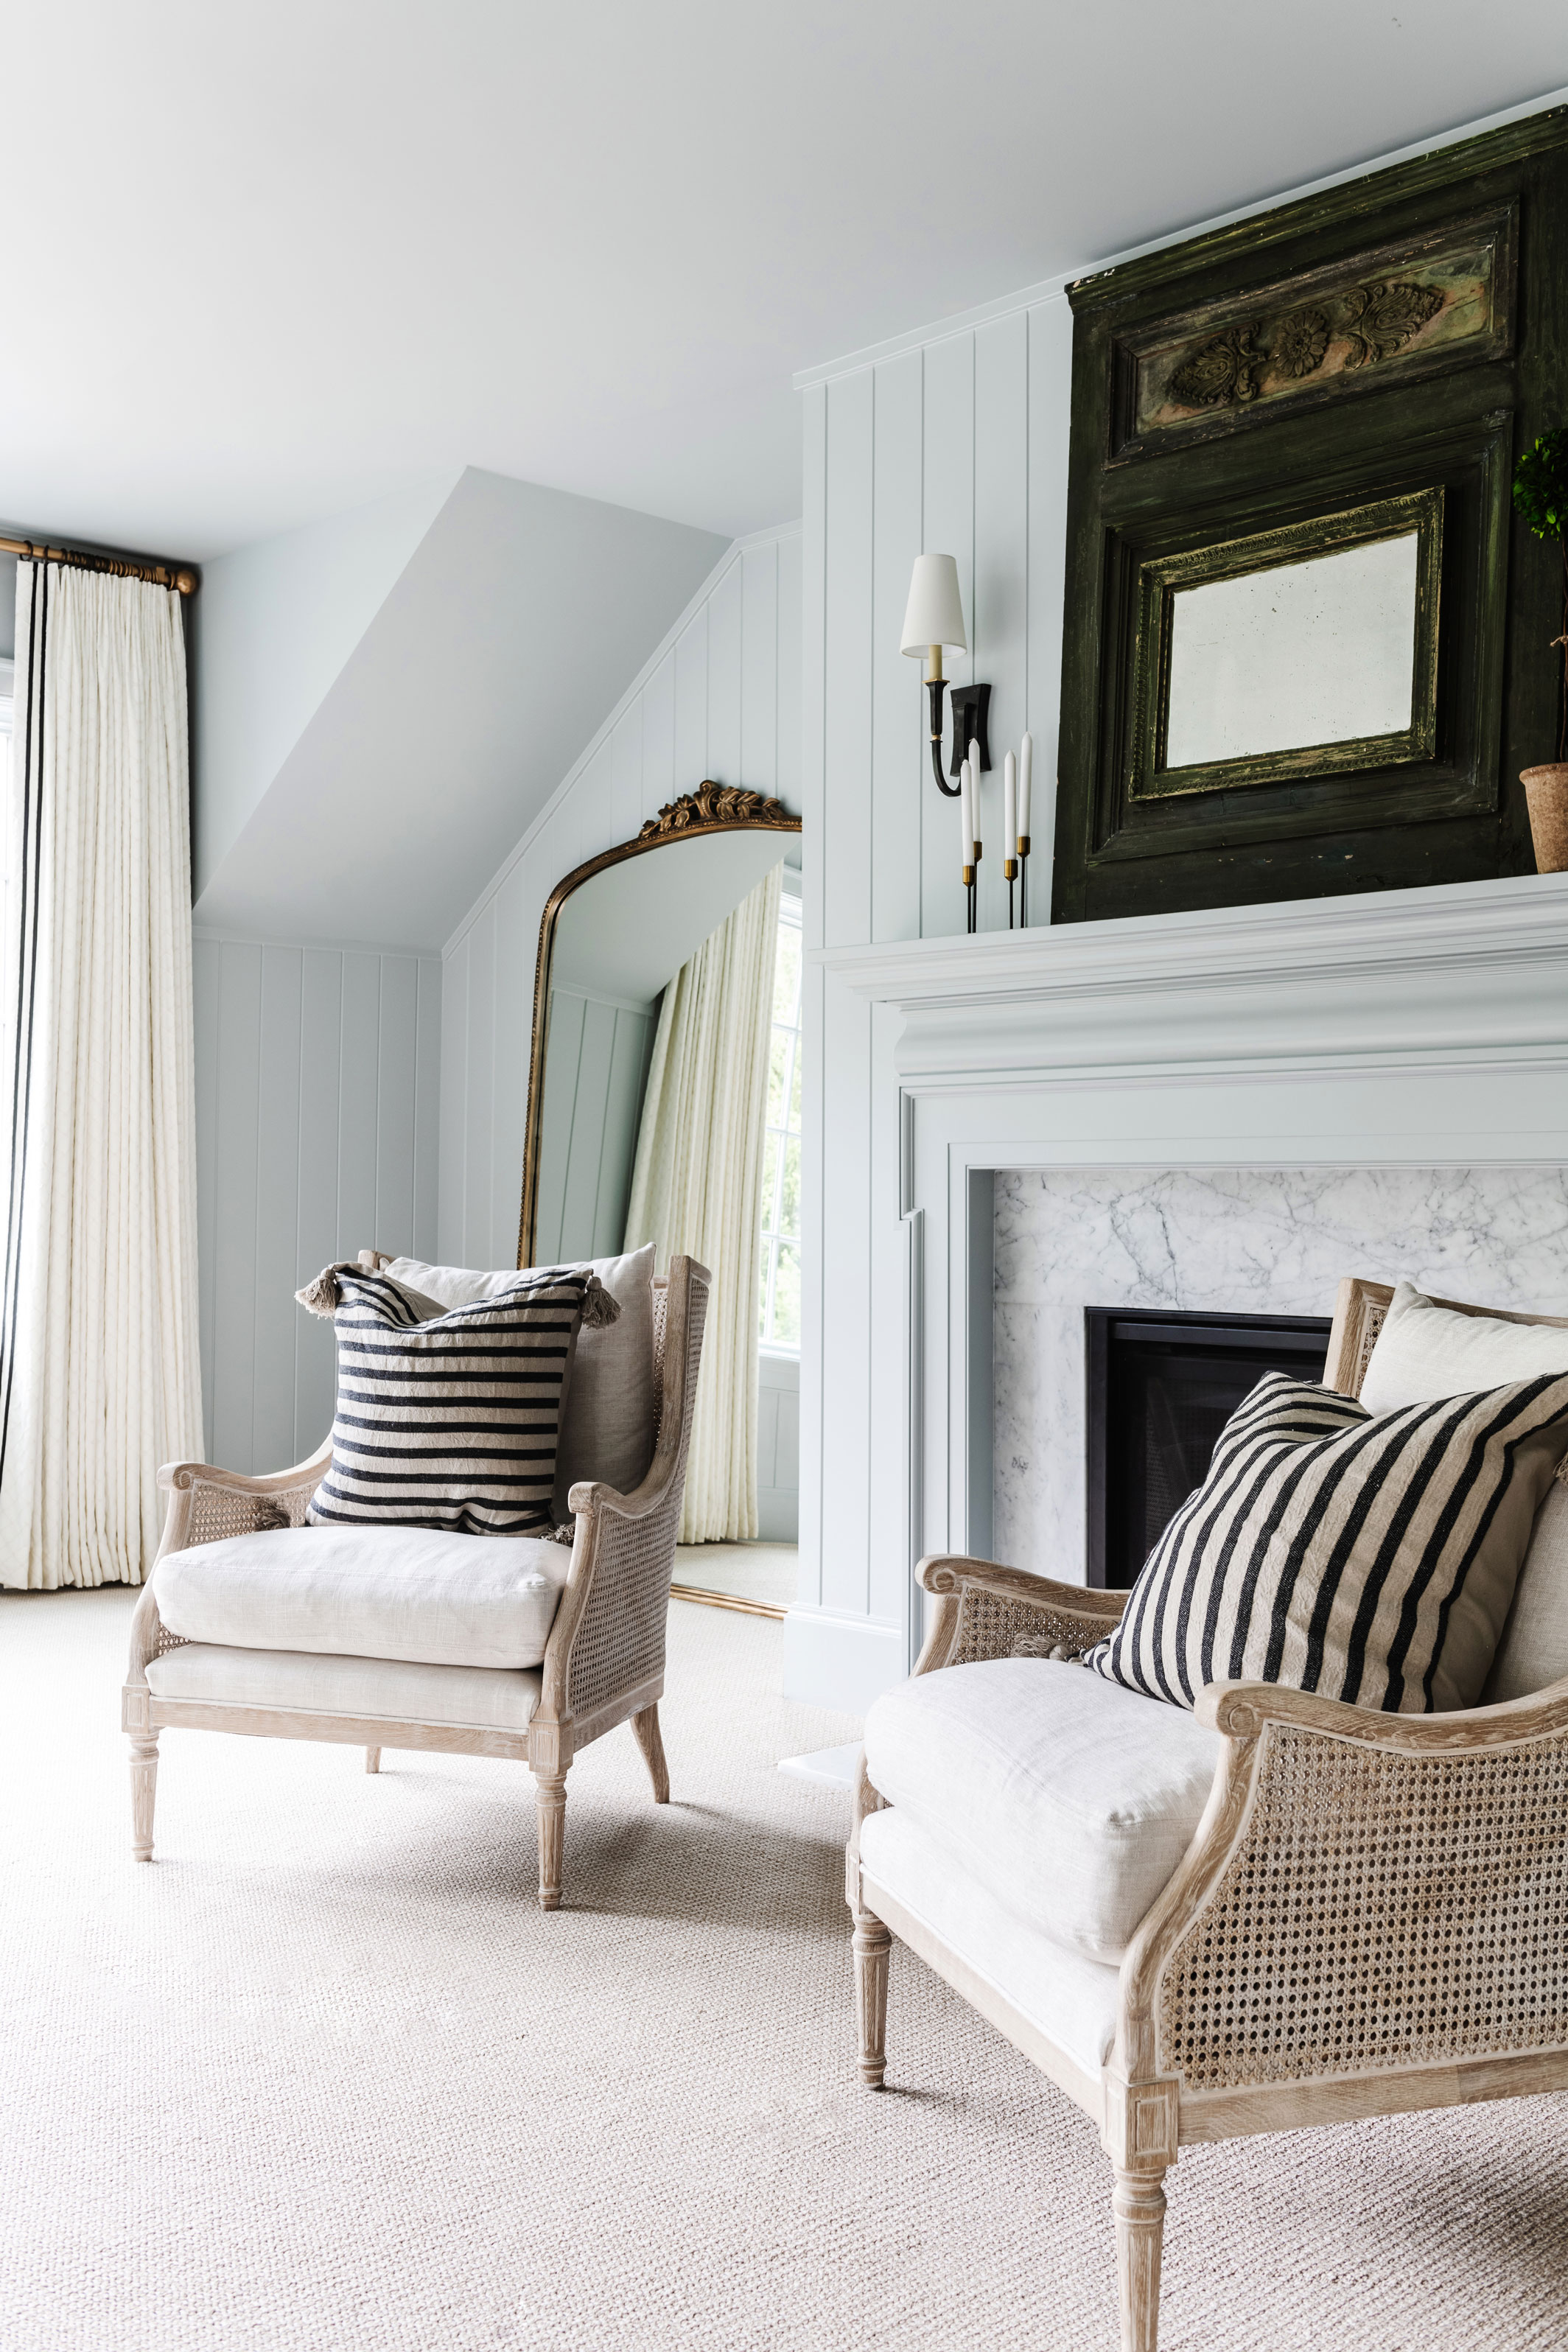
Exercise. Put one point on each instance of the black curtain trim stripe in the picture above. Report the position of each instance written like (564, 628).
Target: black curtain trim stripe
(33, 725)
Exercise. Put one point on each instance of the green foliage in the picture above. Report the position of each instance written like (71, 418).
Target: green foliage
(1541, 486)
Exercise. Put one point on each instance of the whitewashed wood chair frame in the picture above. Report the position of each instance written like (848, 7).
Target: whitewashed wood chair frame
(1371, 1919)
(604, 1664)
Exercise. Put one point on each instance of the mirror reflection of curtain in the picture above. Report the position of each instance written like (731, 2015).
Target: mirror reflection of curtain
(697, 1186)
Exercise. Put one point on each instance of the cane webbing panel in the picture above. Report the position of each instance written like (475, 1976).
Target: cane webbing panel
(1381, 1911)
(991, 1625)
(1373, 1315)
(620, 1642)
(219, 1511)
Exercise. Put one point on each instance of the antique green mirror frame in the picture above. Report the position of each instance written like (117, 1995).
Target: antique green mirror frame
(1160, 579)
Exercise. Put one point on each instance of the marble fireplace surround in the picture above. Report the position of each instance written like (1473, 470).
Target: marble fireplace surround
(1207, 1109)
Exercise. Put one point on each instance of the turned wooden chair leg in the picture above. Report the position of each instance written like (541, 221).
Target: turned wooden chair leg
(550, 1798)
(373, 1759)
(143, 1791)
(1140, 2206)
(645, 1727)
(873, 1943)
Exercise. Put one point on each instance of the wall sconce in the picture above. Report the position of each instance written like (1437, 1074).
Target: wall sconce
(933, 620)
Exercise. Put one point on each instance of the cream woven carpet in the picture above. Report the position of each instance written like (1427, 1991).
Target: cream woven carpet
(322, 2076)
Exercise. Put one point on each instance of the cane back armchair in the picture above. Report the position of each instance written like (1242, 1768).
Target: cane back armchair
(1372, 1917)
(603, 1664)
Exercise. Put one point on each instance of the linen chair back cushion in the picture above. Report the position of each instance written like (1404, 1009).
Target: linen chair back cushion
(1425, 1351)
(611, 1421)
(1373, 1558)
(450, 1418)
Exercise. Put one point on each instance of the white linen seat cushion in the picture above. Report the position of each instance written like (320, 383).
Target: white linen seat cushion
(1071, 1799)
(421, 1594)
(1069, 2000)
(391, 1690)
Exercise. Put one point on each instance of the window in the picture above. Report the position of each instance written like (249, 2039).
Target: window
(780, 1309)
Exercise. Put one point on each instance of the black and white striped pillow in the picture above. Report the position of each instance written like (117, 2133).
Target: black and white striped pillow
(449, 1418)
(1372, 1559)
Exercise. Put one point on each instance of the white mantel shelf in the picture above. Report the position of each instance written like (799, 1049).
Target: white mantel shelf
(1454, 974)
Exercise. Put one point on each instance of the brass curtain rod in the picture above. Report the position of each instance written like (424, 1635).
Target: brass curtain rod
(161, 575)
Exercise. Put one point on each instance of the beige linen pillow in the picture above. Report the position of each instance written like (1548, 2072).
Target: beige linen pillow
(611, 1413)
(1424, 1352)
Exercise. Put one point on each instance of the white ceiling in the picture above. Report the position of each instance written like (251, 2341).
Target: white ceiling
(263, 265)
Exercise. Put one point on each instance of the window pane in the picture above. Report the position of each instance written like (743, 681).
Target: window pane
(778, 1074)
(786, 1296)
(766, 1256)
(794, 1091)
(786, 974)
(789, 1192)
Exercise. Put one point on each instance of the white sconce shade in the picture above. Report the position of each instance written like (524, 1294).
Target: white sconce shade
(934, 615)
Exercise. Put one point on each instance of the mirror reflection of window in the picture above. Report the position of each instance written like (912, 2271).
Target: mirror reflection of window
(1300, 653)
(780, 1285)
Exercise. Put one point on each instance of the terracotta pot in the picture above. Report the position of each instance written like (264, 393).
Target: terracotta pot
(1546, 791)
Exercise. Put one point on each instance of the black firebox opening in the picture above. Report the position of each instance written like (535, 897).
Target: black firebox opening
(1161, 1386)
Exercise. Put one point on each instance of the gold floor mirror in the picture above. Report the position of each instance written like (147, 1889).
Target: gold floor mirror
(704, 900)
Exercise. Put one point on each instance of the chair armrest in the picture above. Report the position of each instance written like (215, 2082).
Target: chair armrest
(207, 1503)
(986, 1610)
(1365, 1894)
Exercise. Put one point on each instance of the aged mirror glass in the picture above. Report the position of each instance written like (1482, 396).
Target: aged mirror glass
(1307, 650)
(1320, 651)
(620, 936)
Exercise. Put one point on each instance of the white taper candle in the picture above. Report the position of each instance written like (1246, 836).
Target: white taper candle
(1009, 807)
(1025, 766)
(966, 812)
(975, 793)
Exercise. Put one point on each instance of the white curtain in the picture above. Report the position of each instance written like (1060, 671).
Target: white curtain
(697, 1186)
(100, 1378)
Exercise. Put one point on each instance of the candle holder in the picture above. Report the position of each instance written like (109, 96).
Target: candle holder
(972, 893)
(1022, 862)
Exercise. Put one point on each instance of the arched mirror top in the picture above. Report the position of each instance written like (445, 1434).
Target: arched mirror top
(613, 934)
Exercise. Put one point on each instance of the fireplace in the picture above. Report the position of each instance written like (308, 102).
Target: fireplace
(1161, 1387)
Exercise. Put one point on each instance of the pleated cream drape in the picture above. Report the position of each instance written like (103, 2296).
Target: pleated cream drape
(697, 1186)
(100, 1378)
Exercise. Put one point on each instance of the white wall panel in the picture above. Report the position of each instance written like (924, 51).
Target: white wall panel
(720, 698)
(317, 1092)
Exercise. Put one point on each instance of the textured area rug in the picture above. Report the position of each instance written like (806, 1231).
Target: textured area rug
(322, 2076)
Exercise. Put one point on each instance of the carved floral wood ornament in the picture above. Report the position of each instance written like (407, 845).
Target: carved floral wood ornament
(714, 804)
(1374, 322)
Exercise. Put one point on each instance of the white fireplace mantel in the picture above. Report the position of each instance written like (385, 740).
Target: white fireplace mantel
(1460, 972)
(1417, 1029)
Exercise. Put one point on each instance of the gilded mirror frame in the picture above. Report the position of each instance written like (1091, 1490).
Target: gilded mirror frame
(1160, 579)
(711, 808)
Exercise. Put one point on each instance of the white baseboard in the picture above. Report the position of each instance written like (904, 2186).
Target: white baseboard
(841, 1662)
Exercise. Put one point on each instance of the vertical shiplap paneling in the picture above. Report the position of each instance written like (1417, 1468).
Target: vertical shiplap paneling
(724, 677)
(398, 1045)
(657, 701)
(234, 1201)
(999, 632)
(320, 1064)
(452, 1187)
(1050, 383)
(479, 1199)
(901, 762)
(517, 950)
(759, 574)
(277, 1208)
(812, 651)
(949, 463)
(692, 703)
(846, 878)
(428, 1110)
(357, 1103)
(626, 790)
(789, 597)
(206, 964)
